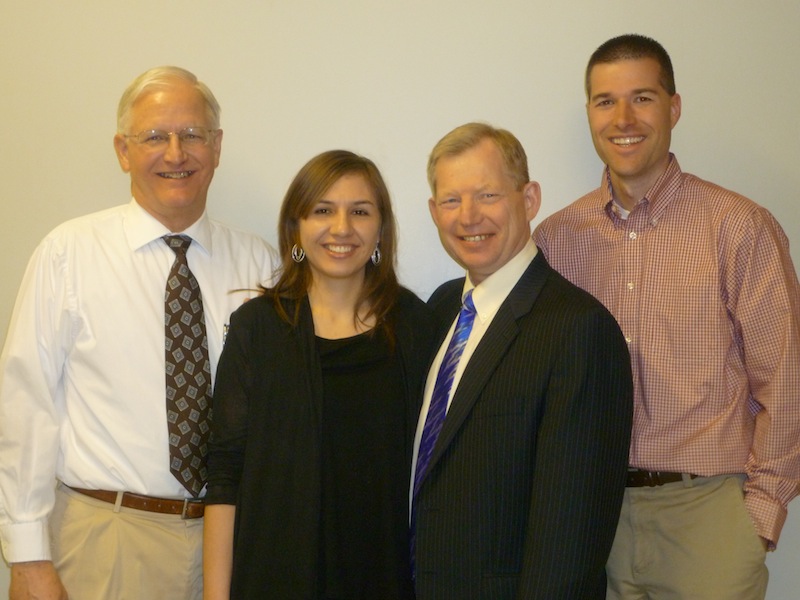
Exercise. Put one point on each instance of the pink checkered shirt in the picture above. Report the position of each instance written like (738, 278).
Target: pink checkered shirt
(702, 284)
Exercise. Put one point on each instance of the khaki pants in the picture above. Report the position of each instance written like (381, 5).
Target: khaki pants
(690, 540)
(103, 553)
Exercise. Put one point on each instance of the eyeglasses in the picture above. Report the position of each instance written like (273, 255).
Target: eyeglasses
(158, 138)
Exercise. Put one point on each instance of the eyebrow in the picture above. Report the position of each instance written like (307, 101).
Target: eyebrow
(486, 187)
(354, 202)
(637, 91)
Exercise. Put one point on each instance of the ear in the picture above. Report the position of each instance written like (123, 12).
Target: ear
(675, 108)
(217, 146)
(121, 148)
(532, 196)
(434, 214)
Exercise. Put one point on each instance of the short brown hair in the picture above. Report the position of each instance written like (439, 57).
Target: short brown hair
(470, 135)
(632, 46)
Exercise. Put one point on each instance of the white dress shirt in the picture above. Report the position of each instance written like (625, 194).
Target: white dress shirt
(487, 297)
(82, 384)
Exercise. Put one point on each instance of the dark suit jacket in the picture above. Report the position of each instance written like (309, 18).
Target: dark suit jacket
(523, 491)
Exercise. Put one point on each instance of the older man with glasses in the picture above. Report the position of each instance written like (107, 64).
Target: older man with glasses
(105, 377)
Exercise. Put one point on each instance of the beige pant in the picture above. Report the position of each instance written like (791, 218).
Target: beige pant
(690, 540)
(124, 554)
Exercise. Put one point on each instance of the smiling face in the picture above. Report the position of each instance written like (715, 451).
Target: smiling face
(171, 183)
(631, 117)
(341, 232)
(482, 218)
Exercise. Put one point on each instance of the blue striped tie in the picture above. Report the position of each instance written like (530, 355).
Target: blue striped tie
(438, 406)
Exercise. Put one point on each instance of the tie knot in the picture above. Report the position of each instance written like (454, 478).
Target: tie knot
(468, 305)
(179, 243)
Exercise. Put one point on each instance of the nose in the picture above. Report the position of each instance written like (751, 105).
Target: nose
(469, 213)
(174, 152)
(341, 223)
(623, 114)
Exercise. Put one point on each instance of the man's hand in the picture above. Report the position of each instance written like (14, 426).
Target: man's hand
(35, 580)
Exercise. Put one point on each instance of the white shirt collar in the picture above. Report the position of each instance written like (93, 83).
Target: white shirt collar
(492, 291)
(141, 228)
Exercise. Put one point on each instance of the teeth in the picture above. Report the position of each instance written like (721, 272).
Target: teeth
(178, 175)
(627, 141)
(474, 238)
(340, 249)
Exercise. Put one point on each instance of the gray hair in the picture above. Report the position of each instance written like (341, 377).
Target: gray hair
(160, 77)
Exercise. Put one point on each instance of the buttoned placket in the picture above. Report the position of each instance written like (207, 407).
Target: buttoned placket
(630, 271)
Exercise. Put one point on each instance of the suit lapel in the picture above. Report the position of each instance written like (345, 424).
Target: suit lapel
(490, 351)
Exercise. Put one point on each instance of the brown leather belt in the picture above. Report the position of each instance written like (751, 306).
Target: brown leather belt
(190, 508)
(641, 478)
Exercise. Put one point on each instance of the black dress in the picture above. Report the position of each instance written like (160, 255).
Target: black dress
(364, 478)
(321, 501)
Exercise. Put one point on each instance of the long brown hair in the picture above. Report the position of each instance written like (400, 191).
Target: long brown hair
(309, 185)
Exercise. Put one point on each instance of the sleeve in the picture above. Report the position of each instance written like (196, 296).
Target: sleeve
(763, 298)
(539, 236)
(230, 405)
(270, 264)
(416, 331)
(31, 369)
(581, 462)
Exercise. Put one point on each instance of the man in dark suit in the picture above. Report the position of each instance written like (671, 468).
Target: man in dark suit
(521, 450)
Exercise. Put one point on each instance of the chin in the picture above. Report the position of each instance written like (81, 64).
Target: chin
(182, 201)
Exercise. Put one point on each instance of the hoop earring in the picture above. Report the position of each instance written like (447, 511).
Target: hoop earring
(298, 254)
(376, 256)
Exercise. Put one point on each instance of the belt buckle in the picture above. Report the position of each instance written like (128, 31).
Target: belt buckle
(186, 502)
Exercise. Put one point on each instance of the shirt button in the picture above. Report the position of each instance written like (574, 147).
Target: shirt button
(630, 286)
(632, 235)
(627, 339)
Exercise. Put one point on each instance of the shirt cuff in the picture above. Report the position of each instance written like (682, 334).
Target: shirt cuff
(768, 517)
(25, 542)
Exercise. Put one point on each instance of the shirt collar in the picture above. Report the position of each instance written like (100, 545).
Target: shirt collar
(141, 228)
(490, 293)
(657, 198)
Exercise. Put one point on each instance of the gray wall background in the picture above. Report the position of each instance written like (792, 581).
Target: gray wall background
(386, 79)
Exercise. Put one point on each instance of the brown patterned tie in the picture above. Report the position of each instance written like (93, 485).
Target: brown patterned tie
(188, 371)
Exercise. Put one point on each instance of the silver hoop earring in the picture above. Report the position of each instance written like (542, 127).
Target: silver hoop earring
(376, 256)
(298, 254)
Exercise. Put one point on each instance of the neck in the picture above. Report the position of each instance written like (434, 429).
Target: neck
(628, 191)
(627, 194)
(334, 309)
(176, 221)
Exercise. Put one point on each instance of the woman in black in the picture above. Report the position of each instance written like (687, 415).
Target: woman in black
(316, 403)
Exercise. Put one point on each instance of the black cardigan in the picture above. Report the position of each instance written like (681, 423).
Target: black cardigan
(268, 399)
